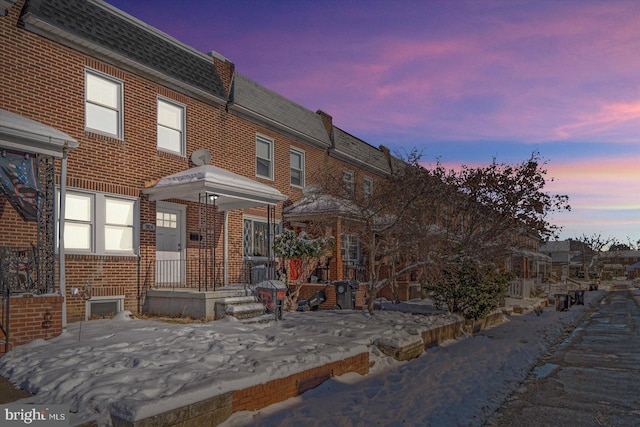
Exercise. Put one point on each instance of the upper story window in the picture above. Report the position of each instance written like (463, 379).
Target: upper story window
(348, 179)
(103, 104)
(171, 124)
(368, 187)
(99, 223)
(296, 160)
(264, 157)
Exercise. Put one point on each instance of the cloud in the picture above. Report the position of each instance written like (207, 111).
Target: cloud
(610, 117)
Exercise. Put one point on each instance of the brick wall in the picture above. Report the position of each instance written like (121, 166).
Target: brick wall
(44, 81)
(215, 410)
(277, 390)
(30, 318)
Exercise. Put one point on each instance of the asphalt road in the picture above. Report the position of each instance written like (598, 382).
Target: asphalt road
(591, 379)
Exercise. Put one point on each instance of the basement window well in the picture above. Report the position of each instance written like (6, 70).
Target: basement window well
(104, 307)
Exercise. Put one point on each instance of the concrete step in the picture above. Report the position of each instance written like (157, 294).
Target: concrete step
(245, 310)
(263, 318)
(240, 307)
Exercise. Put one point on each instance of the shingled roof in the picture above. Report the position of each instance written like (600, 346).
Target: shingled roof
(356, 151)
(256, 102)
(109, 33)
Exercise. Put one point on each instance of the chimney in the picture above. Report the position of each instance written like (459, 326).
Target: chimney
(327, 121)
(387, 155)
(225, 70)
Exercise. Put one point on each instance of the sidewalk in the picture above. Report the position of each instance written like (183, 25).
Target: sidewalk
(592, 378)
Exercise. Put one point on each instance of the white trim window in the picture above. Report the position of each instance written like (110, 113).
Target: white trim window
(348, 180)
(368, 187)
(255, 237)
(349, 249)
(99, 223)
(103, 104)
(79, 220)
(264, 157)
(296, 164)
(119, 224)
(170, 126)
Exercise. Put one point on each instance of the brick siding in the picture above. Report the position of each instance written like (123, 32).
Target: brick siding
(33, 317)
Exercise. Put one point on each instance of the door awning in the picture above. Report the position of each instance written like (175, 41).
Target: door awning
(234, 191)
(26, 135)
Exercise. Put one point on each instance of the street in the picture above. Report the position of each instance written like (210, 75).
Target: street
(591, 379)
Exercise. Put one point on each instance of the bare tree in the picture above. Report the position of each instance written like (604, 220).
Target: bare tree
(481, 214)
(455, 228)
(593, 245)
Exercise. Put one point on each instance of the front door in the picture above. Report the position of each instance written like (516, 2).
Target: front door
(170, 260)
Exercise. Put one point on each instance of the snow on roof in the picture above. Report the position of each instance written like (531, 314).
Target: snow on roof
(234, 191)
(32, 136)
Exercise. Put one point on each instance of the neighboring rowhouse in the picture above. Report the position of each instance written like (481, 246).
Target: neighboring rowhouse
(566, 257)
(175, 167)
(170, 169)
(616, 263)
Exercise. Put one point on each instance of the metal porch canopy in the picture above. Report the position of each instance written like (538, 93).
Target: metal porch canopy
(234, 191)
(21, 134)
(26, 135)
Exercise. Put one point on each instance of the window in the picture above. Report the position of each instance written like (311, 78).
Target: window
(171, 120)
(349, 249)
(78, 228)
(100, 223)
(104, 307)
(296, 160)
(166, 220)
(368, 187)
(103, 104)
(348, 181)
(256, 237)
(264, 156)
(118, 229)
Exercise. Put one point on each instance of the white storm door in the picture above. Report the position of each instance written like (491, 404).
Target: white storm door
(170, 242)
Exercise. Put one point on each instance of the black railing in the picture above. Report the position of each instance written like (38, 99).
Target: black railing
(354, 271)
(207, 275)
(19, 270)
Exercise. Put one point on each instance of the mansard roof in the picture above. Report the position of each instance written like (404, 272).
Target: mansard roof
(103, 31)
(257, 103)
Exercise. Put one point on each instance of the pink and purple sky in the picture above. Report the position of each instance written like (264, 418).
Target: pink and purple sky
(463, 81)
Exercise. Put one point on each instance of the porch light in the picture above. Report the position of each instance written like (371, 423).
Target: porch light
(213, 197)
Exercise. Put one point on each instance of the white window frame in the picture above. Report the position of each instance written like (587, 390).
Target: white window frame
(265, 139)
(349, 183)
(118, 299)
(98, 223)
(349, 238)
(91, 222)
(297, 152)
(182, 129)
(253, 219)
(118, 109)
(367, 187)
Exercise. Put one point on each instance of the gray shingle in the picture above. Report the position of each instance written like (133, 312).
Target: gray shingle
(274, 107)
(99, 24)
(364, 155)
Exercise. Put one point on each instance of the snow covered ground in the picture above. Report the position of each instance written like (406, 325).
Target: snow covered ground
(136, 368)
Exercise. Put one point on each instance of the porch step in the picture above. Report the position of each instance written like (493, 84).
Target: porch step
(263, 318)
(238, 307)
